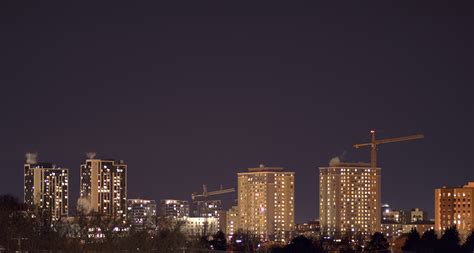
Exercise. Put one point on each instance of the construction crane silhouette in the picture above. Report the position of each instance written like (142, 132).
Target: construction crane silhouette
(374, 143)
(205, 194)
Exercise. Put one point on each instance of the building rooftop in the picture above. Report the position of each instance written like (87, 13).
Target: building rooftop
(469, 185)
(265, 169)
(349, 165)
(42, 165)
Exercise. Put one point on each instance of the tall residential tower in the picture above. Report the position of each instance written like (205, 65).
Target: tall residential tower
(104, 185)
(46, 187)
(266, 204)
(349, 200)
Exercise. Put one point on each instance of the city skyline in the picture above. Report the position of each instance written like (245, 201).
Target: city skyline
(193, 95)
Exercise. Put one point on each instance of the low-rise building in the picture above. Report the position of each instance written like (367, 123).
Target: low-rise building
(391, 230)
(308, 229)
(199, 226)
(141, 214)
(420, 226)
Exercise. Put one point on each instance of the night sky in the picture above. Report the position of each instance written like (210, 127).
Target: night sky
(192, 93)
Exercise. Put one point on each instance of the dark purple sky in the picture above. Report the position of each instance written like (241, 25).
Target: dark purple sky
(193, 93)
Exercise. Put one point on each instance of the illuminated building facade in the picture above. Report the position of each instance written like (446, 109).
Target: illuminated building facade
(455, 207)
(349, 200)
(46, 188)
(232, 221)
(173, 208)
(308, 229)
(390, 216)
(266, 203)
(104, 184)
(198, 226)
(391, 230)
(141, 214)
(417, 215)
(207, 208)
(420, 226)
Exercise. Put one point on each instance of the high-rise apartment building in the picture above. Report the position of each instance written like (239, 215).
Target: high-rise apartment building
(104, 185)
(141, 214)
(46, 188)
(349, 200)
(266, 204)
(173, 208)
(455, 207)
(207, 208)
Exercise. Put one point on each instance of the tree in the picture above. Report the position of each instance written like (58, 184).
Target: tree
(300, 244)
(14, 223)
(277, 249)
(468, 246)
(219, 242)
(378, 243)
(428, 242)
(345, 246)
(137, 241)
(244, 241)
(169, 237)
(449, 241)
(413, 241)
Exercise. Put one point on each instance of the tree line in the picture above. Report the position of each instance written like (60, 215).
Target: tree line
(429, 242)
(22, 230)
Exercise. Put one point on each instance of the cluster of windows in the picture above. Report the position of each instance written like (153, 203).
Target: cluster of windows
(111, 186)
(349, 200)
(257, 209)
(455, 207)
(52, 191)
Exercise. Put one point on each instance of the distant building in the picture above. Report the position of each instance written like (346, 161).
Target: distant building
(420, 226)
(402, 216)
(207, 208)
(384, 211)
(266, 203)
(141, 214)
(391, 230)
(417, 215)
(46, 187)
(232, 221)
(397, 216)
(104, 185)
(455, 207)
(349, 200)
(199, 226)
(174, 208)
(222, 221)
(308, 229)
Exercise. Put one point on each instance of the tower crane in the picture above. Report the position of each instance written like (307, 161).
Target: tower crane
(374, 143)
(206, 193)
